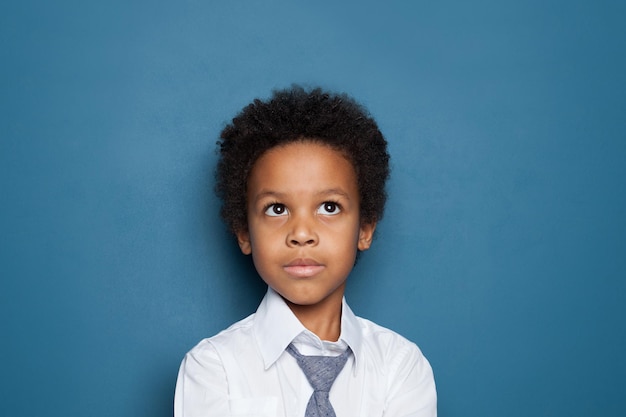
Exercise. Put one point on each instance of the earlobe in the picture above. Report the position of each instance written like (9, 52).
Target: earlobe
(366, 234)
(243, 238)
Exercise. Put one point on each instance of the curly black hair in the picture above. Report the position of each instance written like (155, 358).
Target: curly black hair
(292, 115)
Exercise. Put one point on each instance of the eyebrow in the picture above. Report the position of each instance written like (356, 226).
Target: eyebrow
(278, 195)
(333, 191)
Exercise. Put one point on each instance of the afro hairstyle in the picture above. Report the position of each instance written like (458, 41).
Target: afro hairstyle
(299, 114)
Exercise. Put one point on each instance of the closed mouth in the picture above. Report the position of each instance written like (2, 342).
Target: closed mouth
(303, 268)
(303, 262)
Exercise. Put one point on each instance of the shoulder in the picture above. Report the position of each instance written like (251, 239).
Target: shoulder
(385, 346)
(234, 337)
(402, 369)
(205, 372)
(375, 334)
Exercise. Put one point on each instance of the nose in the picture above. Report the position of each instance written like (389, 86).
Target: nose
(302, 232)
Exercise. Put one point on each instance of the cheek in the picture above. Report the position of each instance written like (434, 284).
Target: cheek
(345, 241)
(266, 243)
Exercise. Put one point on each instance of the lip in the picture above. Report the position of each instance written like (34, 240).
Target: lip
(303, 268)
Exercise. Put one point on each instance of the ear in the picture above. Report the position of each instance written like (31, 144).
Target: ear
(366, 234)
(243, 238)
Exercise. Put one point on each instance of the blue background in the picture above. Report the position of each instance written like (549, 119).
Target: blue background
(502, 252)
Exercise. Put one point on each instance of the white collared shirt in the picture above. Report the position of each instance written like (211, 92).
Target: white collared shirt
(245, 370)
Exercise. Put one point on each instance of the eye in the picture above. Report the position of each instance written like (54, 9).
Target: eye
(276, 209)
(329, 208)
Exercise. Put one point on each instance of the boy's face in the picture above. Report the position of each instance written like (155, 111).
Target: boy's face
(303, 222)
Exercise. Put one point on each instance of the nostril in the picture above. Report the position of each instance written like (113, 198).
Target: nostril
(297, 242)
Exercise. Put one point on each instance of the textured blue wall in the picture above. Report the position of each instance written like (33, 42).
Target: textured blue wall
(502, 253)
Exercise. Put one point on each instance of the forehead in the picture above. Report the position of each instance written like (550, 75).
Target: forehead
(302, 165)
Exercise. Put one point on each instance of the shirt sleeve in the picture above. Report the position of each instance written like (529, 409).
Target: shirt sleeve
(412, 390)
(201, 388)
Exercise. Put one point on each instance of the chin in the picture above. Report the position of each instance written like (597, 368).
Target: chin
(302, 301)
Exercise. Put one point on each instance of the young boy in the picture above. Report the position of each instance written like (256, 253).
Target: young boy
(302, 180)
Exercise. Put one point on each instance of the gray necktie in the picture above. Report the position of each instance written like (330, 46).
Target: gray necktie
(321, 371)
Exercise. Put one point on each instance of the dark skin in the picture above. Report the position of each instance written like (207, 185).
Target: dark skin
(304, 229)
(323, 320)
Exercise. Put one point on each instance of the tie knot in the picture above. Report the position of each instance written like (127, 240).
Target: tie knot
(320, 371)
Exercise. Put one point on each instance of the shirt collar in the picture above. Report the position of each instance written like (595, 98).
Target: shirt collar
(351, 332)
(275, 327)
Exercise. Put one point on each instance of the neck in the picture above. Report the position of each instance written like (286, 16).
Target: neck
(323, 319)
